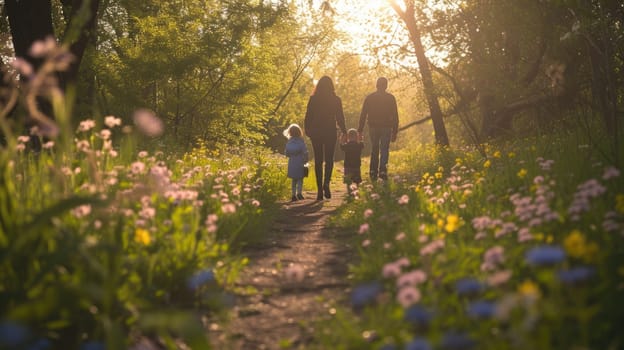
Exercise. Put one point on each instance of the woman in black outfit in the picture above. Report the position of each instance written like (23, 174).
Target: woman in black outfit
(323, 117)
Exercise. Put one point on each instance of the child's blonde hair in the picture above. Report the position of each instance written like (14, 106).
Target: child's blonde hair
(352, 134)
(293, 130)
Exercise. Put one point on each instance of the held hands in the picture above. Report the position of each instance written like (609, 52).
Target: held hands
(343, 138)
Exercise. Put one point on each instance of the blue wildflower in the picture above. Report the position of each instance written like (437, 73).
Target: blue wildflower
(481, 309)
(468, 286)
(418, 315)
(12, 334)
(93, 345)
(201, 278)
(457, 341)
(418, 344)
(365, 294)
(575, 275)
(545, 255)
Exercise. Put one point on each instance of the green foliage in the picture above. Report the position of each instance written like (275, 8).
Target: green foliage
(214, 71)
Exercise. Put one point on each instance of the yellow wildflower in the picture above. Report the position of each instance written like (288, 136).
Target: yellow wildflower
(452, 223)
(619, 203)
(487, 164)
(458, 161)
(529, 289)
(574, 244)
(539, 237)
(522, 173)
(142, 236)
(550, 239)
(497, 154)
(440, 223)
(438, 175)
(577, 246)
(511, 155)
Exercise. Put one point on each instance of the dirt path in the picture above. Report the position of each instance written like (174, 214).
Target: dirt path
(299, 272)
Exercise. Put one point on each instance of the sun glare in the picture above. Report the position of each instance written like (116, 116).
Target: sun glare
(374, 31)
(357, 18)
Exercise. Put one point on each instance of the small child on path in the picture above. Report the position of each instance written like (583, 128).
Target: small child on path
(297, 154)
(353, 159)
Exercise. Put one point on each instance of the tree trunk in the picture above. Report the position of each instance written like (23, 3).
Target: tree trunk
(81, 25)
(408, 16)
(30, 20)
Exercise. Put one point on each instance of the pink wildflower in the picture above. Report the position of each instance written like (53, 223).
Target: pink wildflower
(111, 121)
(408, 296)
(610, 172)
(480, 235)
(41, 48)
(400, 236)
(368, 213)
(403, 200)
(137, 167)
(148, 123)
(403, 262)
(499, 278)
(23, 139)
(228, 208)
(105, 134)
(147, 212)
(81, 211)
(364, 228)
(492, 258)
(86, 125)
(412, 278)
(22, 66)
(432, 247)
(366, 243)
(391, 270)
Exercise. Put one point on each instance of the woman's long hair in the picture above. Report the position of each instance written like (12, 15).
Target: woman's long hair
(324, 87)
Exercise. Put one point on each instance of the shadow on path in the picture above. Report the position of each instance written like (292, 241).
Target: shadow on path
(299, 272)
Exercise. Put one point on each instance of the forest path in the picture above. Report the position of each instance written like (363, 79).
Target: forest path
(298, 272)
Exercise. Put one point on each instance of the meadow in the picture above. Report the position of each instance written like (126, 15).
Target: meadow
(522, 249)
(106, 245)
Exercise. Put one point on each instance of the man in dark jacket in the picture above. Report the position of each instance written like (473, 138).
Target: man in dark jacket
(380, 108)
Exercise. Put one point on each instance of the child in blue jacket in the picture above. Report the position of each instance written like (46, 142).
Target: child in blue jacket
(297, 154)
